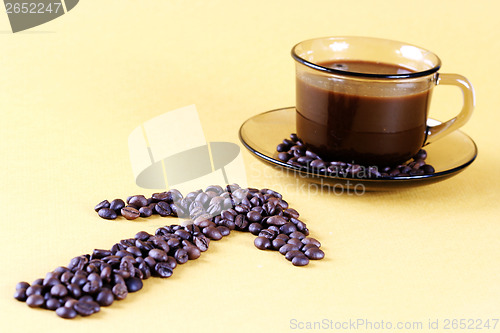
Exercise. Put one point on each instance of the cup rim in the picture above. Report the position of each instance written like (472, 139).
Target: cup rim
(307, 63)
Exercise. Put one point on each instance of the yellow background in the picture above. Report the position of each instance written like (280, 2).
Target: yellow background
(73, 89)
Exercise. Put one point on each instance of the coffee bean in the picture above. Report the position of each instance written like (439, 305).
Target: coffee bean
(22, 285)
(288, 228)
(181, 256)
(146, 211)
(292, 254)
(163, 208)
(90, 287)
(20, 294)
(137, 201)
(163, 196)
(300, 260)
(117, 205)
(224, 231)
(297, 234)
(212, 233)
(52, 303)
(310, 240)
(130, 213)
(163, 269)
(84, 308)
(278, 243)
(201, 242)
(262, 243)
(67, 313)
(74, 290)
(120, 291)
(428, 169)
(268, 233)
(255, 228)
(241, 222)
(158, 255)
(288, 248)
(34, 289)
(102, 204)
(314, 253)
(295, 241)
(35, 301)
(58, 290)
(193, 252)
(133, 284)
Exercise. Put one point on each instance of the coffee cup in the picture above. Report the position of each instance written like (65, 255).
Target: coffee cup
(366, 100)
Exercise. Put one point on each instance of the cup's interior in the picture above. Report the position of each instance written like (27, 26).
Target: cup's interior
(315, 51)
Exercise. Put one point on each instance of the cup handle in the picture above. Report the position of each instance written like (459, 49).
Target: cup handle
(436, 132)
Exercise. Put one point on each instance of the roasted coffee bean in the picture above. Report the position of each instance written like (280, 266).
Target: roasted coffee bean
(58, 290)
(224, 231)
(310, 240)
(52, 303)
(297, 234)
(117, 205)
(288, 248)
(78, 263)
(288, 228)
(193, 252)
(67, 313)
(90, 287)
(181, 256)
(254, 216)
(300, 260)
(428, 169)
(102, 204)
(142, 236)
(120, 291)
(146, 211)
(158, 255)
(212, 233)
(292, 254)
(105, 297)
(262, 243)
(35, 301)
(255, 228)
(137, 201)
(74, 290)
(283, 237)
(201, 242)
(163, 208)
(34, 289)
(278, 243)
(241, 222)
(20, 294)
(130, 213)
(107, 213)
(133, 284)
(22, 285)
(183, 234)
(295, 241)
(163, 269)
(85, 308)
(268, 233)
(163, 196)
(314, 253)
(307, 247)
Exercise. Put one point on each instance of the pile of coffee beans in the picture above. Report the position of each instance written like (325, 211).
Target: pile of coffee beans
(91, 281)
(295, 152)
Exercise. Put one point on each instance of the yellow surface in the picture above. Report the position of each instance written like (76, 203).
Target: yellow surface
(72, 90)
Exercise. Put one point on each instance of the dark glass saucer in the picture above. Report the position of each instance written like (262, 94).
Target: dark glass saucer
(263, 132)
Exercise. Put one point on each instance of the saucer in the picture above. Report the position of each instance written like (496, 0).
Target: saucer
(263, 132)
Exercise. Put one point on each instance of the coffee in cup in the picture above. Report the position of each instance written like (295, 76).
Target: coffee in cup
(366, 100)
